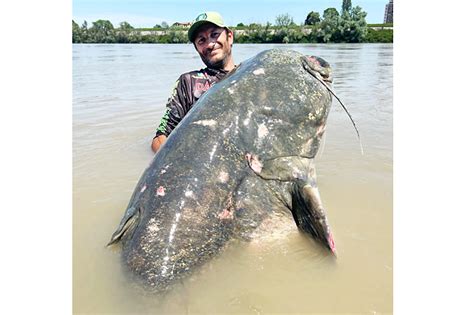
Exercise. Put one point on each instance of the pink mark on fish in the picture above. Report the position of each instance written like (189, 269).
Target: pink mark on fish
(254, 163)
(143, 188)
(226, 215)
(262, 131)
(259, 71)
(160, 191)
(223, 177)
(332, 244)
(320, 130)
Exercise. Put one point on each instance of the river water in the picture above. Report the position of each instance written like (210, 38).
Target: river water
(119, 96)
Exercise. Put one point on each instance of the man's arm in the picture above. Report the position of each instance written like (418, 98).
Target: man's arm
(176, 108)
(158, 142)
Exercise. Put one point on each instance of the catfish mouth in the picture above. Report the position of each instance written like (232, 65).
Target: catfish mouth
(321, 71)
(318, 68)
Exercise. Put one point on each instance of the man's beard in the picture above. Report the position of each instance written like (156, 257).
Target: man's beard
(215, 65)
(220, 64)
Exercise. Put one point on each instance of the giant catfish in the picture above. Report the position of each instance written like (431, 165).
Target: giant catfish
(243, 152)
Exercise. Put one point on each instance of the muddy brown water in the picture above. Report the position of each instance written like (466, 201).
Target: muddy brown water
(119, 96)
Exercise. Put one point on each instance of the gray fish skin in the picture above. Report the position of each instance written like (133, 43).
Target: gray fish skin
(245, 151)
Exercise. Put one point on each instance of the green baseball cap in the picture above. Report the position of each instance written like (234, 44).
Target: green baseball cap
(206, 17)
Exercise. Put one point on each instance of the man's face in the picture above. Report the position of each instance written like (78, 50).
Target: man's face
(213, 44)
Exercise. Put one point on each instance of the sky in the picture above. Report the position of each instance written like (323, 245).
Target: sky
(147, 13)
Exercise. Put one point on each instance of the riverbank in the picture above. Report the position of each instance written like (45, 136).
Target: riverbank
(253, 34)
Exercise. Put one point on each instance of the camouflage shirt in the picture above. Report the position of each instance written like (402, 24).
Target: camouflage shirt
(187, 90)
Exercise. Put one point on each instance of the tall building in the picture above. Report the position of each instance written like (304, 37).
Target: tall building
(388, 12)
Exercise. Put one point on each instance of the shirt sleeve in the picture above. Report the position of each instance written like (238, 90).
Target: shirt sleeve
(175, 108)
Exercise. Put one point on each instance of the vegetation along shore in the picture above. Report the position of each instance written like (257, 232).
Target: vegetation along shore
(347, 26)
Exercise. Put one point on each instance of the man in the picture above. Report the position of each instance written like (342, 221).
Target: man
(213, 42)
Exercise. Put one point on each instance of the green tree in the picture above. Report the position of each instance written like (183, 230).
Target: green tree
(315, 34)
(257, 33)
(102, 31)
(284, 20)
(349, 27)
(85, 37)
(76, 33)
(312, 18)
(123, 33)
(352, 25)
(346, 6)
(125, 26)
(294, 35)
(134, 37)
(84, 26)
(330, 13)
(177, 37)
(379, 36)
(329, 31)
(240, 25)
(164, 25)
(264, 35)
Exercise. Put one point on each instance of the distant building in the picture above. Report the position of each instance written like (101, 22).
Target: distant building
(185, 24)
(388, 12)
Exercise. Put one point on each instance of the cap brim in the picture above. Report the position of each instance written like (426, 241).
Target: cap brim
(192, 30)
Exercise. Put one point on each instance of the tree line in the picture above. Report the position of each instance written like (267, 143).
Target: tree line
(347, 26)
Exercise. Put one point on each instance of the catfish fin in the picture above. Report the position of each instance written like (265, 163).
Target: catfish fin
(127, 225)
(309, 214)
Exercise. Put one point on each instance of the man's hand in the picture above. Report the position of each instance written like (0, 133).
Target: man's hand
(158, 142)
